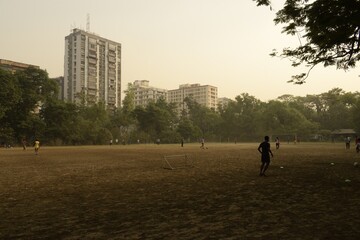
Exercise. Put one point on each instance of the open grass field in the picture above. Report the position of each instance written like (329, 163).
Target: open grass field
(122, 192)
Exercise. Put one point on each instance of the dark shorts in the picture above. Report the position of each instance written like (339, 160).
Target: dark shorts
(265, 159)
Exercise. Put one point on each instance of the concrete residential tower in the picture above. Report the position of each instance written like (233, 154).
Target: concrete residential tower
(92, 70)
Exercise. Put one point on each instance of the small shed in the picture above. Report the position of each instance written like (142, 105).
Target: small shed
(340, 134)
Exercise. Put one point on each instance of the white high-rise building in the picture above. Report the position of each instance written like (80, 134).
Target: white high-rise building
(92, 70)
(204, 95)
(144, 94)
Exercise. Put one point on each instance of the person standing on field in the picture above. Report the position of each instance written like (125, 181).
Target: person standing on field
(264, 149)
(277, 142)
(37, 146)
(357, 142)
(347, 142)
(24, 144)
(202, 143)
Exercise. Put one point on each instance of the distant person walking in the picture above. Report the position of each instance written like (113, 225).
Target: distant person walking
(202, 143)
(347, 143)
(264, 149)
(277, 142)
(182, 142)
(23, 141)
(36, 146)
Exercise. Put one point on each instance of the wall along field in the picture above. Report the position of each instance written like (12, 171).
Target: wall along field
(312, 191)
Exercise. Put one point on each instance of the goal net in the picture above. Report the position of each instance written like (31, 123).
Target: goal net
(177, 161)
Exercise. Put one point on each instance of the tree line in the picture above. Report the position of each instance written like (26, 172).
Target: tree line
(29, 109)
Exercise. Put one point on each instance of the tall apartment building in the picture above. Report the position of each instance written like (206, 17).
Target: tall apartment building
(144, 94)
(92, 69)
(204, 95)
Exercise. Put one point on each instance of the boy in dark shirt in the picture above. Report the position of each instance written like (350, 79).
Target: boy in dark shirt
(264, 149)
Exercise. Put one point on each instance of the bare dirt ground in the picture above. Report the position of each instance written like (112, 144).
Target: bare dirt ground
(312, 191)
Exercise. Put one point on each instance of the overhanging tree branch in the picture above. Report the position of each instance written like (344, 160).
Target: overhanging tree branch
(331, 33)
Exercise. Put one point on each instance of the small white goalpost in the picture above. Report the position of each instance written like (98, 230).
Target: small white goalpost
(177, 161)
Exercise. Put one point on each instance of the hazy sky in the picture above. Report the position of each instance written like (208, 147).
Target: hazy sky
(225, 43)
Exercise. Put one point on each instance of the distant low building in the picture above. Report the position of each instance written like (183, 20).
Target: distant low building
(144, 93)
(15, 66)
(223, 102)
(205, 95)
(344, 133)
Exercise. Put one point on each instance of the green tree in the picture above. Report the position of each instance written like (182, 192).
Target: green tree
(329, 30)
(32, 88)
(158, 119)
(241, 118)
(10, 96)
(281, 118)
(61, 120)
(94, 124)
(123, 120)
(204, 119)
(331, 110)
(128, 106)
(356, 113)
(9, 92)
(336, 109)
(187, 130)
(302, 104)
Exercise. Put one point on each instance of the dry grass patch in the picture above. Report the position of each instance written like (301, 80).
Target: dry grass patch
(122, 192)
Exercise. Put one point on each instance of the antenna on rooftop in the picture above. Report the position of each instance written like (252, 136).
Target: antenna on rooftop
(88, 22)
(73, 26)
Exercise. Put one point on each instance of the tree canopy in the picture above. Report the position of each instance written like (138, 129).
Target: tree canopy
(329, 31)
(29, 109)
